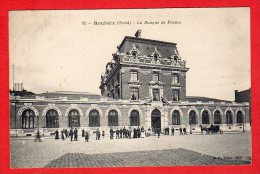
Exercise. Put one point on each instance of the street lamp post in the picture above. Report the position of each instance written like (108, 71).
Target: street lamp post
(244, 117)
(190, 125)
(15, 119)
(38, 136)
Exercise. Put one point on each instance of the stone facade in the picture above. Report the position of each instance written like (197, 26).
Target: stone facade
(145, 65)
(144, 85)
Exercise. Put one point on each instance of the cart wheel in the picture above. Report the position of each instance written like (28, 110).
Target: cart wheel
(221, 131)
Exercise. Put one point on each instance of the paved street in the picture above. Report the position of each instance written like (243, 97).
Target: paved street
(223, 149)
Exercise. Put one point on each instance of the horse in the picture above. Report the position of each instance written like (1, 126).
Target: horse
(204, 129)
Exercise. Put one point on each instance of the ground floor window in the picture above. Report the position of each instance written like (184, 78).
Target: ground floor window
(205, 117)
(240, 118)
(28, 119)
(192, 117)
(217, 117)
(113, 118)
(229, 119)
(74, 118)
(176, 117)
(52, 119)
(134, 118)
(94, 119)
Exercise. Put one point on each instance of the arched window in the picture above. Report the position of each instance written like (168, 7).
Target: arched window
(229, 119)
(205, 117)
(176, 117)
(113, 118)
(94, 120)
(74, 118)
(192, 117)
(52, 119)
(134, 118)
(217, 117)
(240, 118)
(28, 119)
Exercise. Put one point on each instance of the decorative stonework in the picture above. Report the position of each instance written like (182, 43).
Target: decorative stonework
(218, 109)
(94, 107)
(240, 109)
(49, 107)
(205, 108)
(193, 108)
(156, 52)
(113, 107)
(134, 49)
(176, 108)
(26, 106)
(135, 107)
(229, 109)
(71, 108)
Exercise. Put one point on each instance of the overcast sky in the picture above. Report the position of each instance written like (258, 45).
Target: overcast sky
(53, 50)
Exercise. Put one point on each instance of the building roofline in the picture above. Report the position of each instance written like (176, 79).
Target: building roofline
(143, 39)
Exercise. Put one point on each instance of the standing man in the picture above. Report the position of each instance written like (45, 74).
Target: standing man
(158, 132)
(184, 131)
(71, 134)
(172, 131)
(124, 132)
(111, 133)
(180, 131)
(75, 134)
(97, 134)
(117, 133)
(121, 132)
(86, 136)
(62, 134)
(138, 132)
(83, 133)
(129, 132)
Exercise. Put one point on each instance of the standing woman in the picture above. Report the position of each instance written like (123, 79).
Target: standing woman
(56, 134)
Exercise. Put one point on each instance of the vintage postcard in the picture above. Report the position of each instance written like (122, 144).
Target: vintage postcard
(130, 87)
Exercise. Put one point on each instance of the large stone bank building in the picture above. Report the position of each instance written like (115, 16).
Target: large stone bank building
(143, 85)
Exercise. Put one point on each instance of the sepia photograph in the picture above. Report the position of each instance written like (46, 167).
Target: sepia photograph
(130, 87)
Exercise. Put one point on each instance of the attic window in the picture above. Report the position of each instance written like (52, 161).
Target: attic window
(156, 57)
(134, 54)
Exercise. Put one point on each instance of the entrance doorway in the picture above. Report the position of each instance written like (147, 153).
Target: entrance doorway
(156, 119)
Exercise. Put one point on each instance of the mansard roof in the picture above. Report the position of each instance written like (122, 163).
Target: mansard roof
(147, 46)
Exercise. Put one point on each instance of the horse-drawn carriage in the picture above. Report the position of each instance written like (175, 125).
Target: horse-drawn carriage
(211, 129)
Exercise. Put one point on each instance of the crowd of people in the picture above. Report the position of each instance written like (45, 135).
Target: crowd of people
(119, 133)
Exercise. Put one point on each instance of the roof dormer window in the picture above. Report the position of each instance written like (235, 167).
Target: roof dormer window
(134, 54)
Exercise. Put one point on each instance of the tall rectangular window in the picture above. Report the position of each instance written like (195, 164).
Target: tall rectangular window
(175, 79)
(156, 94)
(134, 76)
(175, 95)
(134, 93)
(156, 77)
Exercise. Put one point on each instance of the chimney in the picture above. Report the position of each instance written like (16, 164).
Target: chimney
(138, 33)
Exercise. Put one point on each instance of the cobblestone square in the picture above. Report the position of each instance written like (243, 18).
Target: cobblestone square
(219, 149)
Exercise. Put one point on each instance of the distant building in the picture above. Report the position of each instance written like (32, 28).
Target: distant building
(243, 96)
(143, 85)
